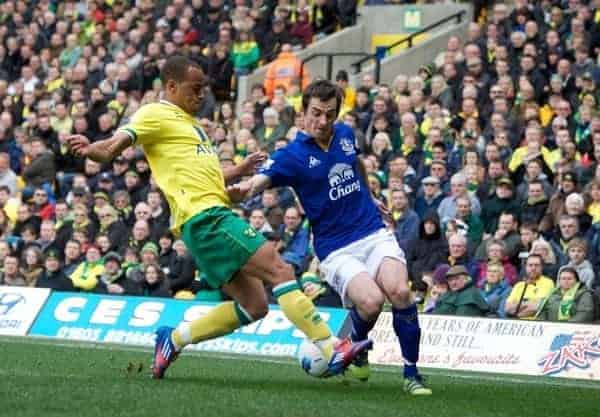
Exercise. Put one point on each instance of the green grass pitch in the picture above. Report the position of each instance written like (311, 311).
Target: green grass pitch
(40, 378)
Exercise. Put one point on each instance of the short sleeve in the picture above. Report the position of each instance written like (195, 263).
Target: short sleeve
(279, 168)
(144, 125)
(515, 294)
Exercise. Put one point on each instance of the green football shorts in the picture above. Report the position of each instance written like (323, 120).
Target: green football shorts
(221, 243)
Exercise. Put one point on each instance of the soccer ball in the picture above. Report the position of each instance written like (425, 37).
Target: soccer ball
(311, 359)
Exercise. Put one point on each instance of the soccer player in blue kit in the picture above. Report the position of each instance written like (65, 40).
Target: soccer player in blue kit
(360, 258)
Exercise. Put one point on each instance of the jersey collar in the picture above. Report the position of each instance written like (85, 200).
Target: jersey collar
(168, 103)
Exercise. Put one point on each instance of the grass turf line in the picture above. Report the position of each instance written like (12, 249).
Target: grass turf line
(44, 379)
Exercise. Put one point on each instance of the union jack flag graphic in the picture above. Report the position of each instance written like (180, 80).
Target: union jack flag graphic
(578, 349)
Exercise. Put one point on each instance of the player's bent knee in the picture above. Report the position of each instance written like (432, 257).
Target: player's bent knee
(370, 306)
(400, 294)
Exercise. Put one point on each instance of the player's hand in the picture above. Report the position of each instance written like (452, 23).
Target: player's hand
(385, 212)
(239, 192)
(251, 162)
(79, 144)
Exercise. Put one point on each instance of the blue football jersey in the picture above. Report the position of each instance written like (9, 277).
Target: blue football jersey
(335, 197)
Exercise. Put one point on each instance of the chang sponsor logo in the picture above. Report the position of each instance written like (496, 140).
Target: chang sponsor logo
(342, 181)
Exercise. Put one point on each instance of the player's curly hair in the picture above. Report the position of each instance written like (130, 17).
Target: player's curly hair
(323, 90)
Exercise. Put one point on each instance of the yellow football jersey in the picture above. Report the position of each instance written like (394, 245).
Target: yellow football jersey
(183, 161)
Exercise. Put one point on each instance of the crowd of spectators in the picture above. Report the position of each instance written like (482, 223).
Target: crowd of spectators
(487, 158)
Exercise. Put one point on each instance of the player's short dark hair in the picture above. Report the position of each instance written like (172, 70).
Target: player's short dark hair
(323, 90)
(176, 67)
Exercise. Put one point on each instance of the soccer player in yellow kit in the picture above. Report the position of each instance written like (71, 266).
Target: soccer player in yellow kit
(228, 250)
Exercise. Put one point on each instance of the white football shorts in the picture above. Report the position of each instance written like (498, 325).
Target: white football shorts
(364, 255)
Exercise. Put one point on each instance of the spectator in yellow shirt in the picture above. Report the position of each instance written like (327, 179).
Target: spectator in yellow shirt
(527, 296)
(341, 79)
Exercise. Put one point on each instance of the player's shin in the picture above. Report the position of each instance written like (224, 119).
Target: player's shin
(221, 320)
(302, 313)
(406, 326)
(360, 326)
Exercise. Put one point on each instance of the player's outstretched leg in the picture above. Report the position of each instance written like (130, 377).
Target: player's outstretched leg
(366, 299)
(268, 265)
(392, 277)
(221, 320)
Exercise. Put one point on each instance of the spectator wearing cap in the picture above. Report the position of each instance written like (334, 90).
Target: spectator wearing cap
(148, 254)
(113, 280)
(105, 183)
(571, 301)
(556, 206)
(495, 289)
(120, 165)
(438, 287)
(86, 276)
(462, 298)
(527, 295)
(503, 201)
(53, 276)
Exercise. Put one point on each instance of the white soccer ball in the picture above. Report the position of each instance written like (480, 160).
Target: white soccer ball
(311, 359)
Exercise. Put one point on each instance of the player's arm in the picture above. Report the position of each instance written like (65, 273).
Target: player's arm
(246, 189)
(103, 150)
(246, 167)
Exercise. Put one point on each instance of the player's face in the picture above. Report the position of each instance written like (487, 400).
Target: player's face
(319, 117)
(190, 93)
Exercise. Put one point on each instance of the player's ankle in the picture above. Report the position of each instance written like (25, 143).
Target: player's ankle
(326, 346)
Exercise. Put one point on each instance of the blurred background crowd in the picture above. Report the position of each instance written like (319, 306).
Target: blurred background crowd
(487, 158)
